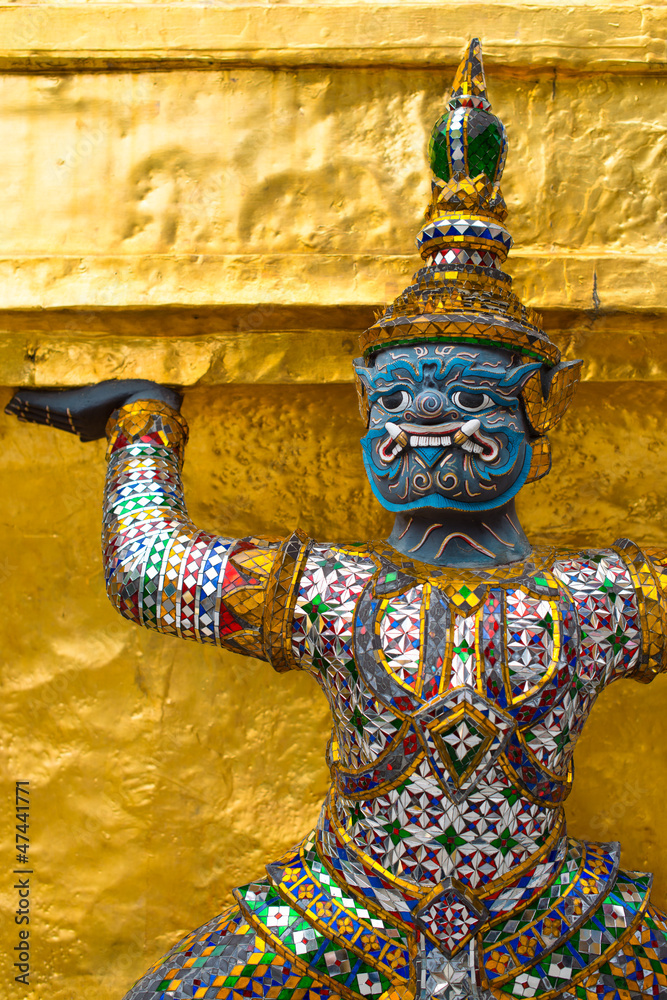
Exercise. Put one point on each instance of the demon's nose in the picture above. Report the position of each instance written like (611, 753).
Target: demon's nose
(429, 405)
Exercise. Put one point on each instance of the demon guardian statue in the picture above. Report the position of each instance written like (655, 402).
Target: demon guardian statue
(459, 662)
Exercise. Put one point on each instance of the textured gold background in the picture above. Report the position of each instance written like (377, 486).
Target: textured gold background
(220, 197)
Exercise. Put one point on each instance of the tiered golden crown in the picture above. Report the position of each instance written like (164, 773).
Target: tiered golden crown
(461, 295)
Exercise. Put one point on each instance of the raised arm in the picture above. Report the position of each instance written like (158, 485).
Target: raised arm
(161, 570)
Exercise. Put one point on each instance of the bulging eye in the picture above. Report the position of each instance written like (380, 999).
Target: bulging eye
(396, 401)
(471, 402)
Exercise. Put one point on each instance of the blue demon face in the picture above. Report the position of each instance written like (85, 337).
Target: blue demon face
(447, 428)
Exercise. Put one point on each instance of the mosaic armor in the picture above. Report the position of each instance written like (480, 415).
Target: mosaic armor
(440, 864)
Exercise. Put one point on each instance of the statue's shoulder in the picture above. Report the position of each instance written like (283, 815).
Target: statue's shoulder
(619, 556)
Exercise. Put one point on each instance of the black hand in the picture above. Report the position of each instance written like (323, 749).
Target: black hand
(85, 411)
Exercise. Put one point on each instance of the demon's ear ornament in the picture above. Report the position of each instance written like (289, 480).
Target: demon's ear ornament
(540, 462)
(363, 386)
(548, 392)
(546, 396)
(461, 295)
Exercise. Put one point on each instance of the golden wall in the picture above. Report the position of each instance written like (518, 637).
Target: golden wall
(219, 196)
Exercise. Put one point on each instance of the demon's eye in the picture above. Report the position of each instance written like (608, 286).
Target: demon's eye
(471, 402)
(396, 401)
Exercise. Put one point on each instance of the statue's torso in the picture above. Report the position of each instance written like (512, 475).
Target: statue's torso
(457, 700)
(440, 862)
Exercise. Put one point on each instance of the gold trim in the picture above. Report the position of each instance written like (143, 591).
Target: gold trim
(380, 653)
(506, 914)
(515, 873)
(505, 943)
(529, 753)
(281, 595)
(459, 326)
(584, 868)
(489, 730)
(424, 606)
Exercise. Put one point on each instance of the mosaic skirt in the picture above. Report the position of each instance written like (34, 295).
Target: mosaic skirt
(229, 959)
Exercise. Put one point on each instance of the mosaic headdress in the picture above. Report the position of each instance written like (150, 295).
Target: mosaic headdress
(461, 295)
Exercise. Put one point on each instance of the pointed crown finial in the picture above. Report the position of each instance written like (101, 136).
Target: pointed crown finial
(469, 81)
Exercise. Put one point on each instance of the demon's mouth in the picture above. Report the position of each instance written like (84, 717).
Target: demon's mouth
(466, 435)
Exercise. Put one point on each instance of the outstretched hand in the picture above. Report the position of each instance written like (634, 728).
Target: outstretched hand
(85, 411)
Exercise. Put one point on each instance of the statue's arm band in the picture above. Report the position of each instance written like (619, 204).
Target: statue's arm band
(649, 580)
(282, 593)
(161, 570)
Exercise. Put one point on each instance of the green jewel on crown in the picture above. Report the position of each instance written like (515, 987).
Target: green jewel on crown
(468, 140)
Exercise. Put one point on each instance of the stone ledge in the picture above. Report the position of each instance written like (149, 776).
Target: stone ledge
(545, 280)
(196, 349)
(575, 37)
